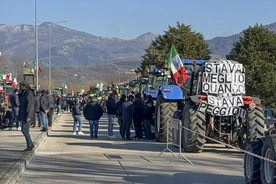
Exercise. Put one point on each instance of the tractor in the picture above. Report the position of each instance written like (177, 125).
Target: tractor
(169, 98)
(215, 105)
(258, 170)
(133, 85)
(157, 78)
(143, 83)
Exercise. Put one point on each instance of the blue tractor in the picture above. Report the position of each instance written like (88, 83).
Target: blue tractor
(169, 99)
(157, 79)
(215, 104)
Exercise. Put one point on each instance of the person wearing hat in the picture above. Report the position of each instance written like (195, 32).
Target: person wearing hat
(93, 112)
(26, 112)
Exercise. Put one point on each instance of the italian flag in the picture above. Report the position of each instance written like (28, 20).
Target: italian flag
(175, 64)
(6, 76)
(14, 82)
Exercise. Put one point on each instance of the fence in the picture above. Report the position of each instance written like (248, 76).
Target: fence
(174, 131)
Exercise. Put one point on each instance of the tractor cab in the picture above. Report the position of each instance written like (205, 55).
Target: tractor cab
(158, 78)
(143, 82)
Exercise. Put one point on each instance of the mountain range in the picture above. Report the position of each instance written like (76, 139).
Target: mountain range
(68, 47)
(72, 48)
(75, 48)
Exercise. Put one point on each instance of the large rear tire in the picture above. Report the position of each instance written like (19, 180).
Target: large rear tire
(196, 121)
(268, 169)
(255, 124)
(252, 165)
(164, 110)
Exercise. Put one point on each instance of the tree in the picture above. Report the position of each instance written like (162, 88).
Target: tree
(2, 63)
(189, 45)
(17, 66)
(256, 50)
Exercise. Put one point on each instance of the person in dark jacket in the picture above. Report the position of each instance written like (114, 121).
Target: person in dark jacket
(15, 109)
(111, 114)
(71, 103)
(119, 113)
(127, 111)
(148, 116)
(63, 104)
(59, 103)
(138, 116)
(76, 113)
(37, 106)
(51, 109)
(26, 112)
(93, 112)
(44, 109)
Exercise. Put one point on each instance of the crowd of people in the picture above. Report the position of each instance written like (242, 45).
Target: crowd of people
(127, 111)
(31, 108)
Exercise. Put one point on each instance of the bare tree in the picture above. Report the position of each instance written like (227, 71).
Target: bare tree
(2, 63)
(17, 62)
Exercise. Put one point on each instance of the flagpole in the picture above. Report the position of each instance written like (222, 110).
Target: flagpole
(36, 48)
(50, 72)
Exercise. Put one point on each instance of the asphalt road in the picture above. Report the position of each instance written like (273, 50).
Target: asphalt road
(65, 158)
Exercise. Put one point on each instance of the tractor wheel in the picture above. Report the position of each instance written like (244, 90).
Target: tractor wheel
(252, 165)
(164, 110)
(255, 124)
(242, 138)
(268, 169)
(196, 121)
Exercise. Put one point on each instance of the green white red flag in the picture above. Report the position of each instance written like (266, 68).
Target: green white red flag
(14, 82)
(175, 64)
(7, 76)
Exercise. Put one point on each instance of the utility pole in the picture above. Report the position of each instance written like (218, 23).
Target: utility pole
(36, 48)
(50, 69)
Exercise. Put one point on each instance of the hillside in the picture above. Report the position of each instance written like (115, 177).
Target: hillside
(93, 57)
(223, 45)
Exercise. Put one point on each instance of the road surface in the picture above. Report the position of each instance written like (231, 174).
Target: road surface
(68, 158)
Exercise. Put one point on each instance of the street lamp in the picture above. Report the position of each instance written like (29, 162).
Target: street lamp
(49, 48)
(49, 45)
(36, 49)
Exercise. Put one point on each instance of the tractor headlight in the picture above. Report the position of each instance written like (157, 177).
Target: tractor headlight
(252, 106)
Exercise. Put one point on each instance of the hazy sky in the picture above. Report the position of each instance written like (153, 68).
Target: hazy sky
(130, 18)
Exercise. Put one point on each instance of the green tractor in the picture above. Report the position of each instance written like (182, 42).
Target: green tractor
(143, 83)
(98, 92)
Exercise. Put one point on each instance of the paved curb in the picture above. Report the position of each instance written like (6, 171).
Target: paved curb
(19, 167)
